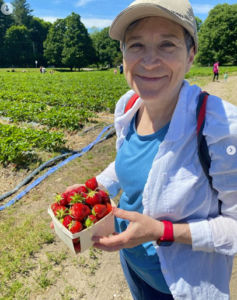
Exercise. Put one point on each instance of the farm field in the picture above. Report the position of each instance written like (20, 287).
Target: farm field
(41, 117)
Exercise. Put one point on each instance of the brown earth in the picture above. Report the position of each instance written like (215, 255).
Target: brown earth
(94, 276)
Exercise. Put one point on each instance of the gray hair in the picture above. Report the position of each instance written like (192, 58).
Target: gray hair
(187, 36)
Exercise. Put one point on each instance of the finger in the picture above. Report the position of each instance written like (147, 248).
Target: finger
(123, 214)
(72, 187)
(108, 249)
(113, 240)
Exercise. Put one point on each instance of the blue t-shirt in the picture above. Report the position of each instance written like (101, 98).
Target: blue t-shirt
(133, 163)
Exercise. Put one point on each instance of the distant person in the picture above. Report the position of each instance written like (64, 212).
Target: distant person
(115, 71)
(40, 69)
(216, 70)
(43, 70)
(226, 76)
(51, 72)
(121, 69)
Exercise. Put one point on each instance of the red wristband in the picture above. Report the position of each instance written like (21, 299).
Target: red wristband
(168, 235)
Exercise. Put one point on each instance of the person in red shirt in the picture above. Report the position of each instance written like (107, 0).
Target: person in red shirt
(216, 70)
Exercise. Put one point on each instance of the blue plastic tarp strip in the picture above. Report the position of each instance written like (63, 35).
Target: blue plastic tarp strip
(55, 168)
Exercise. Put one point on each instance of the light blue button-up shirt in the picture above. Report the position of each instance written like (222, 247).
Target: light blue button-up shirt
(178, 190)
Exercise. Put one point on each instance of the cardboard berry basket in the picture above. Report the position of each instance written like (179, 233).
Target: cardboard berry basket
(104, 227)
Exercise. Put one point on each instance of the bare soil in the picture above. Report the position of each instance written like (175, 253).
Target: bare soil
(86, 276)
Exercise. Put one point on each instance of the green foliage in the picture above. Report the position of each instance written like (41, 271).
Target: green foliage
(38, 29)
(77, 44)
(17, 144)
(68, 43)
(198, 23)
(218, 36)
(18, 45)
(21, 12)
(53, 45)
(107, 50)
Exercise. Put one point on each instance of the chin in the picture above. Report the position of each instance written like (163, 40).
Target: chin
(148, 95)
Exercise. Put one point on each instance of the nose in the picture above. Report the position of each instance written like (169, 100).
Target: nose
(150, 59)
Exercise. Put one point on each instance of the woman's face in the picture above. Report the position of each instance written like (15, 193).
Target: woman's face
(156, 59)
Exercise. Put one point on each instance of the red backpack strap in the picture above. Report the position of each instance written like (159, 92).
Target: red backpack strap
(203, 153)
(131, 102)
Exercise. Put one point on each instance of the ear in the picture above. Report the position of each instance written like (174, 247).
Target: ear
(190, 59)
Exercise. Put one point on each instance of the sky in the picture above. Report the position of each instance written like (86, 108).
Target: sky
(100, 13)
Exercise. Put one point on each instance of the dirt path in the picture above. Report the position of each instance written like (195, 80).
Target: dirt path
(89, 276)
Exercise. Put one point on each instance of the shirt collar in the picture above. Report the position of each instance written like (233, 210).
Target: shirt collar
(186, 101)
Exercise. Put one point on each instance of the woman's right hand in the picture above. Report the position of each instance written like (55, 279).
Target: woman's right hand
(73, 187)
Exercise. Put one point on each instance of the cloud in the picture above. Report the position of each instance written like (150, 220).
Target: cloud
(100, 23)
(202, 8)
(83, 2)
(50, 19)
(57, 1)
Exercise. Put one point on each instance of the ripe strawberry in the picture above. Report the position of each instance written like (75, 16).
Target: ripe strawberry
(88, 211)
(91, 219)
(99, 210)
(74, 197)
(105, 196)
(75, 226)
(108, 208)
(61, 212)
(93, 198)
(62, 199)
(77, 247)
(79, 211)
(76, 240)
(54, 207)
(92, 184)
(66, 221)
(82, 189)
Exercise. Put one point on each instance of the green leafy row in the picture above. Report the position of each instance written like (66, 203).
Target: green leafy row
(56, 116)
(18, 145)
(93, 91)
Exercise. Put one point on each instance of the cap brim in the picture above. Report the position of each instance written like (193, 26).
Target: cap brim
(139, 11)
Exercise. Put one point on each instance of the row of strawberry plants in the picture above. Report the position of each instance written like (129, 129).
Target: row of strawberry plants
(19, 145)
(56, 116)
(94, 91)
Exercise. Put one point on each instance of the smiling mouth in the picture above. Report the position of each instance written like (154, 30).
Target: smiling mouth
(150, 78)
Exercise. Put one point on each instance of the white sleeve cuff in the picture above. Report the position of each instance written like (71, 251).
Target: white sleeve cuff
(201, 236)
(111, 186)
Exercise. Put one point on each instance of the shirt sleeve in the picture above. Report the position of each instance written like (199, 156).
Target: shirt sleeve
(109, 180)
(220, 234)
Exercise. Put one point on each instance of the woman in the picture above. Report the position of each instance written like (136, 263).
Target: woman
(174, 242)
(216, 71)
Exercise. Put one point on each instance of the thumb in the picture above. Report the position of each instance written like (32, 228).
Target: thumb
(122, 214)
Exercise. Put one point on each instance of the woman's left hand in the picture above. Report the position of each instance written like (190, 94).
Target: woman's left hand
(141, 229)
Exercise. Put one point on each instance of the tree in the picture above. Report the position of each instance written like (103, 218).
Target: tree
(18, 46)
(22, 12)
(53, 45)
(218, 35)
(78, 50)
(198, 23)
(107, 50)
(39, 29)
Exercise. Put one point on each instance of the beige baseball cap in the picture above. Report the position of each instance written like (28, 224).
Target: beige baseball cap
(179, 11)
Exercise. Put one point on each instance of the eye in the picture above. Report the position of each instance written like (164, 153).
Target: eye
(135, 45)
(167, 44)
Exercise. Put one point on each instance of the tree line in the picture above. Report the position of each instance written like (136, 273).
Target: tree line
(25, 39)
